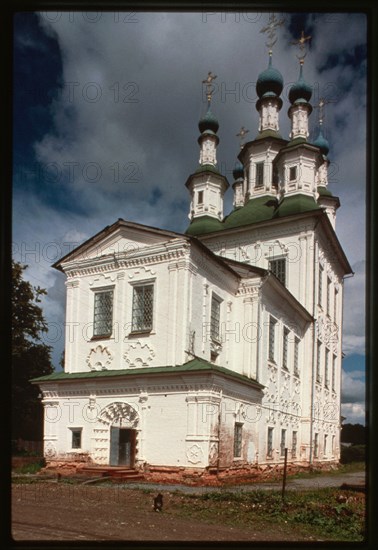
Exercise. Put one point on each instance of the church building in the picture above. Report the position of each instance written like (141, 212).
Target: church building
(221, 347)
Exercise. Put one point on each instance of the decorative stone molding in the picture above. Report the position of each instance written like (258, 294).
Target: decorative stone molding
(139, 354)
(119, 413)
(213, 454)
(99, 358)
(111, 278)
(194, 454)
(50, 450)
(137, 272)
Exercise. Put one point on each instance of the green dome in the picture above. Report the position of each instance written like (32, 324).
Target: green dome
(238, 171)
(322, 143)
(203, 225)
(208, 122)
(300, 91)
(270, 82)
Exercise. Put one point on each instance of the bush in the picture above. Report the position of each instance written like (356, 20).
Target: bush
(354, 453)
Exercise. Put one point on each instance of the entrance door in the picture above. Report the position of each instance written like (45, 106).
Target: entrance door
(122, 447)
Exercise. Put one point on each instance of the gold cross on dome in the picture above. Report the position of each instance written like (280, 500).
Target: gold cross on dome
(209, 85)
(270, 31)
(301, 43)
(242, 133)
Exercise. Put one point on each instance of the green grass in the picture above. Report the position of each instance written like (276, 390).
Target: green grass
(31, 468)
(323, 512)
(342, 469)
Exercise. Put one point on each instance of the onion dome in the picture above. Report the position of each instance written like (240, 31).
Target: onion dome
(300, 91)
(208, 122)
(270, 82)
(238, 171)
(322, 143)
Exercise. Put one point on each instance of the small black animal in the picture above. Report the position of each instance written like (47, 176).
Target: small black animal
(158, 503)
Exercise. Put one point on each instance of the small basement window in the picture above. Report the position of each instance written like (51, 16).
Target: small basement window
(76, 438)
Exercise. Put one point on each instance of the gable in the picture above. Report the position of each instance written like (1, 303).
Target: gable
(120, 238)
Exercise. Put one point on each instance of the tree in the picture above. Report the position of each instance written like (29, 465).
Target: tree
(30, 356)
(353, 433)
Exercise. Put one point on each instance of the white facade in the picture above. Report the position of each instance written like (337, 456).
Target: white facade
(218, 348)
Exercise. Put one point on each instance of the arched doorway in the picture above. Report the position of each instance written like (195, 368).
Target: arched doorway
(122, 420)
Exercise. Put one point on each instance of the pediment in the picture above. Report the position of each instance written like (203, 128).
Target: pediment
(120, 238)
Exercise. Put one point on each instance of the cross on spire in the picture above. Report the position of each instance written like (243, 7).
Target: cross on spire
(302, 44)
(209, 85)
(242, 133)
(320, 106)
(270, 31)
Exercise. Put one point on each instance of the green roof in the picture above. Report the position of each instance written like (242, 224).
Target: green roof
(324, 192)
(203, 225)
(207, 168)
(295, 205)
(193, 366)
(268, 133)
(254, 211)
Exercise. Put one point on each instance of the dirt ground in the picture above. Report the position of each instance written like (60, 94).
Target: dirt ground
(61, 512)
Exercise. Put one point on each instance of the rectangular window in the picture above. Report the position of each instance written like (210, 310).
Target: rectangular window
(143, 308)
(294, 445)
(200, 197)
(296, 356)
(283, 442)
(335, 302)
(270, 442)
(285, 346)
(334, 373)
(325, 450)
(238, 433)
(76, 438)
(275, 176)
(215, 318)
(316, 445)
(259, 174)
(292, 173)
(333, 445)
(320, 285)
(272, 330)
(103, 313)
(328, 296)
(278, 268)
(318, 361)
(326, 369)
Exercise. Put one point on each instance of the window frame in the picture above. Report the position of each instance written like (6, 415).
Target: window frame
(96, 293)
(200, 195)
(215, 332)
(135, 286)
(275, 266)
(272, 339)
(76, 430)
(296, 357)
(320, 285)
(293, 170)
(316, 445)
(260, 173)
(283, 442)
(285, 348)
(294, 444)
(238, 439)
(269, 442)
(326, 368)
(318, 361)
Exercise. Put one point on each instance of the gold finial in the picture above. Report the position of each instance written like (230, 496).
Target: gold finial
(209, 85)
(301, 43)
(242, 133)
(270, 31)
